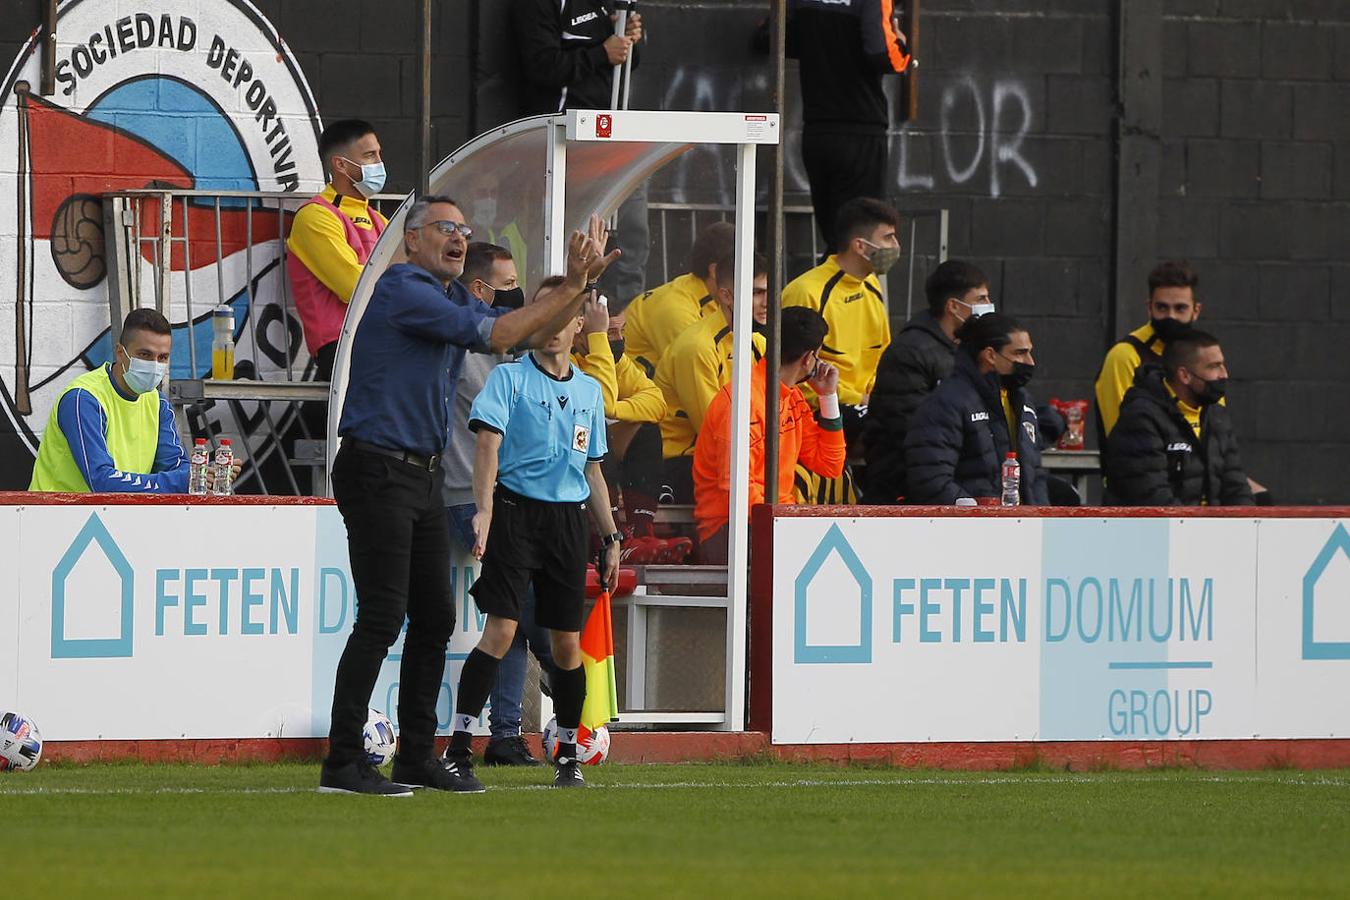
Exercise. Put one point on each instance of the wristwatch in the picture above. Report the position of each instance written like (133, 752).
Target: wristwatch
(610, 539)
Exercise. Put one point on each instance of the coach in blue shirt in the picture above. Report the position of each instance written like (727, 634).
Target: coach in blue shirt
(395, 424)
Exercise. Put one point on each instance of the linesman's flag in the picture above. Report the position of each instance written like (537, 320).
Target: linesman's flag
(597, 655)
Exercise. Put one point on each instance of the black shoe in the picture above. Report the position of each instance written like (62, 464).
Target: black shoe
(430, 772)
(359, 778)
(457, 774)
(568, 773)
(509, 752)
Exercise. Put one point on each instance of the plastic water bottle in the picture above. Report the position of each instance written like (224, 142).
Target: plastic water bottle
(197, 464)
(1012, 481)
(222, 344)
(224, 467)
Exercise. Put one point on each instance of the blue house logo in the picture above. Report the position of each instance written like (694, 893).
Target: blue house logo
(93, 533)
(1312, 648)
(861, 652)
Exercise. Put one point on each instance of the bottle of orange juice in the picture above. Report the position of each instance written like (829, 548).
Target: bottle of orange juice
(222, 344)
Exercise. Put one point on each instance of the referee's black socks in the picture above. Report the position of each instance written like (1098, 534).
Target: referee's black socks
(475, 684)
(569, 693)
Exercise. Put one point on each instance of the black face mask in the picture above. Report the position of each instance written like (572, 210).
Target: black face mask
(1214, 390)
(1171, 329)
(1018, 377)
(616, 347)
(757, 328)
(508, 298)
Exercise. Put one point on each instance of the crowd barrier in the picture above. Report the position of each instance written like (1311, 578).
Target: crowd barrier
(163, 618)
(167, 619)
(895, 625)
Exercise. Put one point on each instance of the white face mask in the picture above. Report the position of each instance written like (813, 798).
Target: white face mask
(976, 310)
(372, 178)
(143, 375)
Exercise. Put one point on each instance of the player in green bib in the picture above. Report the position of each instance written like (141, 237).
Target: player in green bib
(111, 431)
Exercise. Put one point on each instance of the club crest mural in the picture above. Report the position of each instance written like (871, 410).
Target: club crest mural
(152, 94)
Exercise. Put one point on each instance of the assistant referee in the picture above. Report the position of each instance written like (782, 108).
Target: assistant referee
(540, 423)
(395, 425)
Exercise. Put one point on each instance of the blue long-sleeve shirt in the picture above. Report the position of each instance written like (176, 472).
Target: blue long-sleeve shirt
(406, 358)
(85, 425)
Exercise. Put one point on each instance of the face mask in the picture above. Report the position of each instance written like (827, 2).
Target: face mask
(616, 347)
(976, 310)
(372, 178)
(1212, 391)
(882, 258)
(1170, 329)
(508, 298)
(1018, 377)
(485, 210)
(143, 375)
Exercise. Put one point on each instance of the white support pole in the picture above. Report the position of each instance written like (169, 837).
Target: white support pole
(738, 558)
(555, 199)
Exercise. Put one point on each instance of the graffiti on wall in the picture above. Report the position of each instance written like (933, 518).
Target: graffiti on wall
(994, 150)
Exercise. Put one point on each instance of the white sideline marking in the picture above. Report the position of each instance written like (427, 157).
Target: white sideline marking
(725, 785)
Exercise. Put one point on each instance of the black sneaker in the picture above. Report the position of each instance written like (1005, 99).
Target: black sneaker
(509, 751)
(457, 772)
(568, 773)
(431, 773)
(359, 778)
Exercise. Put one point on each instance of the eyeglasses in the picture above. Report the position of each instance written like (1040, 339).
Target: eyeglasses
(447, 228)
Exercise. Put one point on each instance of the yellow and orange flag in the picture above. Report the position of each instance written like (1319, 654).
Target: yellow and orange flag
(597, 656)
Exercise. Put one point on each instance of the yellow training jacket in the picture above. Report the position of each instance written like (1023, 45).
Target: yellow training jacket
(691, 373)
(630, 396)
(860, 329)
(1117, 373)
(656, 318)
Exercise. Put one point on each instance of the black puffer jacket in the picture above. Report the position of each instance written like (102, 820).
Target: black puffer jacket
(1155, 459)
(909, 371)
(958, 439)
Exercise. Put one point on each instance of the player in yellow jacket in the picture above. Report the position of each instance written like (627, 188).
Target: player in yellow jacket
(659, 316)
(846, 290)
(696, 367)
(634, 406)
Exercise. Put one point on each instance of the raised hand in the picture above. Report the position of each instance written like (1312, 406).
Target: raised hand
(598, 234)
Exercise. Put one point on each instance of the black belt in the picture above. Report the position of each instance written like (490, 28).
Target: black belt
(429, 463)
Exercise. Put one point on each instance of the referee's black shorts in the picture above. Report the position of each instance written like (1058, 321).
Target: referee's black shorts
(534, 540)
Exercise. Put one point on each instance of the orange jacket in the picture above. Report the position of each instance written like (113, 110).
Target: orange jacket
(818, 446)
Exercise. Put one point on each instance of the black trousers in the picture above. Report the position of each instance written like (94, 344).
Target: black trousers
(841, 166)
(641, 468)
(398, 540)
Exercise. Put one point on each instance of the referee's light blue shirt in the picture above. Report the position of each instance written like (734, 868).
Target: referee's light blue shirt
(406, 358)
(551, 427)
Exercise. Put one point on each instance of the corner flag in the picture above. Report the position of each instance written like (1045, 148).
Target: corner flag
(597, 656)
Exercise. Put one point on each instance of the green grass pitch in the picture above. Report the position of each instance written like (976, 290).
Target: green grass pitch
(733, 830)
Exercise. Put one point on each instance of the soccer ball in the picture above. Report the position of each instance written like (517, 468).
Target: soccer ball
(20, 743)
(379, 738)
(590, 752)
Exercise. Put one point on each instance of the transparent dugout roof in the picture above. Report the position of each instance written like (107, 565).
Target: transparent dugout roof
(499, 180)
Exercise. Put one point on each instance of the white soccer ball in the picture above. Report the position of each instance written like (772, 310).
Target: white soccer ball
(20, 743)
(379, 738)
(590, 752)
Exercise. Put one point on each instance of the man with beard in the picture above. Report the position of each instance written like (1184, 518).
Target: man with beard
(981, 413)
(1173, 444)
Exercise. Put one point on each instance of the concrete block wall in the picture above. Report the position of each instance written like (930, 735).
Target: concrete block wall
(1016, 138)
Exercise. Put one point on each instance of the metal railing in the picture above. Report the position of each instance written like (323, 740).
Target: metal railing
(675, 226)
(158, 244)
